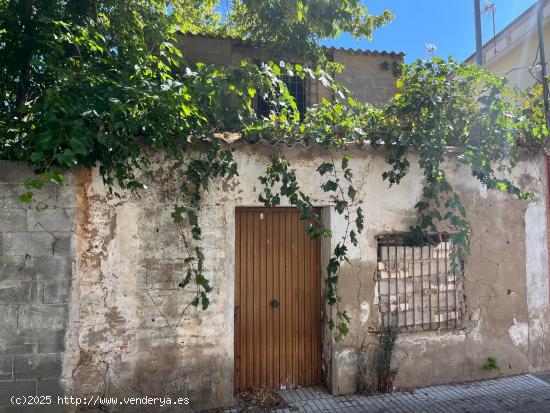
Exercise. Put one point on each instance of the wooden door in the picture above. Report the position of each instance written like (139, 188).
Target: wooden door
(277, 300)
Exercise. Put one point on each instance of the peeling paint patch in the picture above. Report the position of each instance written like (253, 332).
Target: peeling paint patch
(537, 326)
(483, 191)
(345, 361)
(365, 312)
(475, 318)
(518, 333)
(376, 299)
(536, 257)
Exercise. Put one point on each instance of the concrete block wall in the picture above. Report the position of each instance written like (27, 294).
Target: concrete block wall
(366, 78)
(35, 281)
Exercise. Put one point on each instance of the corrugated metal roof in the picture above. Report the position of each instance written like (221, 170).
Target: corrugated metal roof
(251, 43)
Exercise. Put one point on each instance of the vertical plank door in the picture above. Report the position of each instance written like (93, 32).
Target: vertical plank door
(277, 300)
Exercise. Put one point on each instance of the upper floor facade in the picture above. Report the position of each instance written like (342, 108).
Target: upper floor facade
(369, 75)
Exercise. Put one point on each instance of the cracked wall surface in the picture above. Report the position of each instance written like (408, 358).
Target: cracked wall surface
(505, 286)
(127, 329)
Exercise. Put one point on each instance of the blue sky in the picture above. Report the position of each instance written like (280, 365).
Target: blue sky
(449, 24)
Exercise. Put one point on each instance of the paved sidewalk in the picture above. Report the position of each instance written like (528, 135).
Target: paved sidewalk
(526, 393)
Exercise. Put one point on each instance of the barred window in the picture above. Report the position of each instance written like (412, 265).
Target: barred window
(296, 87)
(418, 287)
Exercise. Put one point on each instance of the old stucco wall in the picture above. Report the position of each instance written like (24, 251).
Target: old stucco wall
(127, 335)
(506, 283)
(118, 328)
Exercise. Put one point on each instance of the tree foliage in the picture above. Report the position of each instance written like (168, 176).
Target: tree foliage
(297, 26)
(101, 82)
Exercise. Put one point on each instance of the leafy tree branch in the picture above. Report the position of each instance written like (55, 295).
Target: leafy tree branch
(104, 82)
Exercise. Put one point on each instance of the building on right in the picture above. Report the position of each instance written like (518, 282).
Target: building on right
(514, 51)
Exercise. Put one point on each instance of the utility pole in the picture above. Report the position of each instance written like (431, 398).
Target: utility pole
(479, 44)
(544, 80)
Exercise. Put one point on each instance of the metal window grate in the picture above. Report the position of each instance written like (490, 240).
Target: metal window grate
(417, 287)
(296, 87)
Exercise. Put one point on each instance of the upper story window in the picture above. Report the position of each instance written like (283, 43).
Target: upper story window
(296, 87)
(418, 288)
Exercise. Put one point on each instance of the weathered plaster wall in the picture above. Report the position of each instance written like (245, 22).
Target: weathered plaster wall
(125, 332)
(128, 335)
(35, 282)
(506, 284)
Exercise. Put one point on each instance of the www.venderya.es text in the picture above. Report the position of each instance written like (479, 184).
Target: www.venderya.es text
(98, 401)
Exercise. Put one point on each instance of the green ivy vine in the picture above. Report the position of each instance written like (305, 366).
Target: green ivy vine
(103, 83)
(278, 172)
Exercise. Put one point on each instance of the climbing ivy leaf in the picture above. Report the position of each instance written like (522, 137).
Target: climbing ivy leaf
(325, 167)
(329, 186)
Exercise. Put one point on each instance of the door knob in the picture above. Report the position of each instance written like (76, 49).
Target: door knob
(275, 303)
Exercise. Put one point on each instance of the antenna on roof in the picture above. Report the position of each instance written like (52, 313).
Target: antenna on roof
(490, 7)
(431, 49)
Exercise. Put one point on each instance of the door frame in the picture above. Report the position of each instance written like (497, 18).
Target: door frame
(326, 349)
